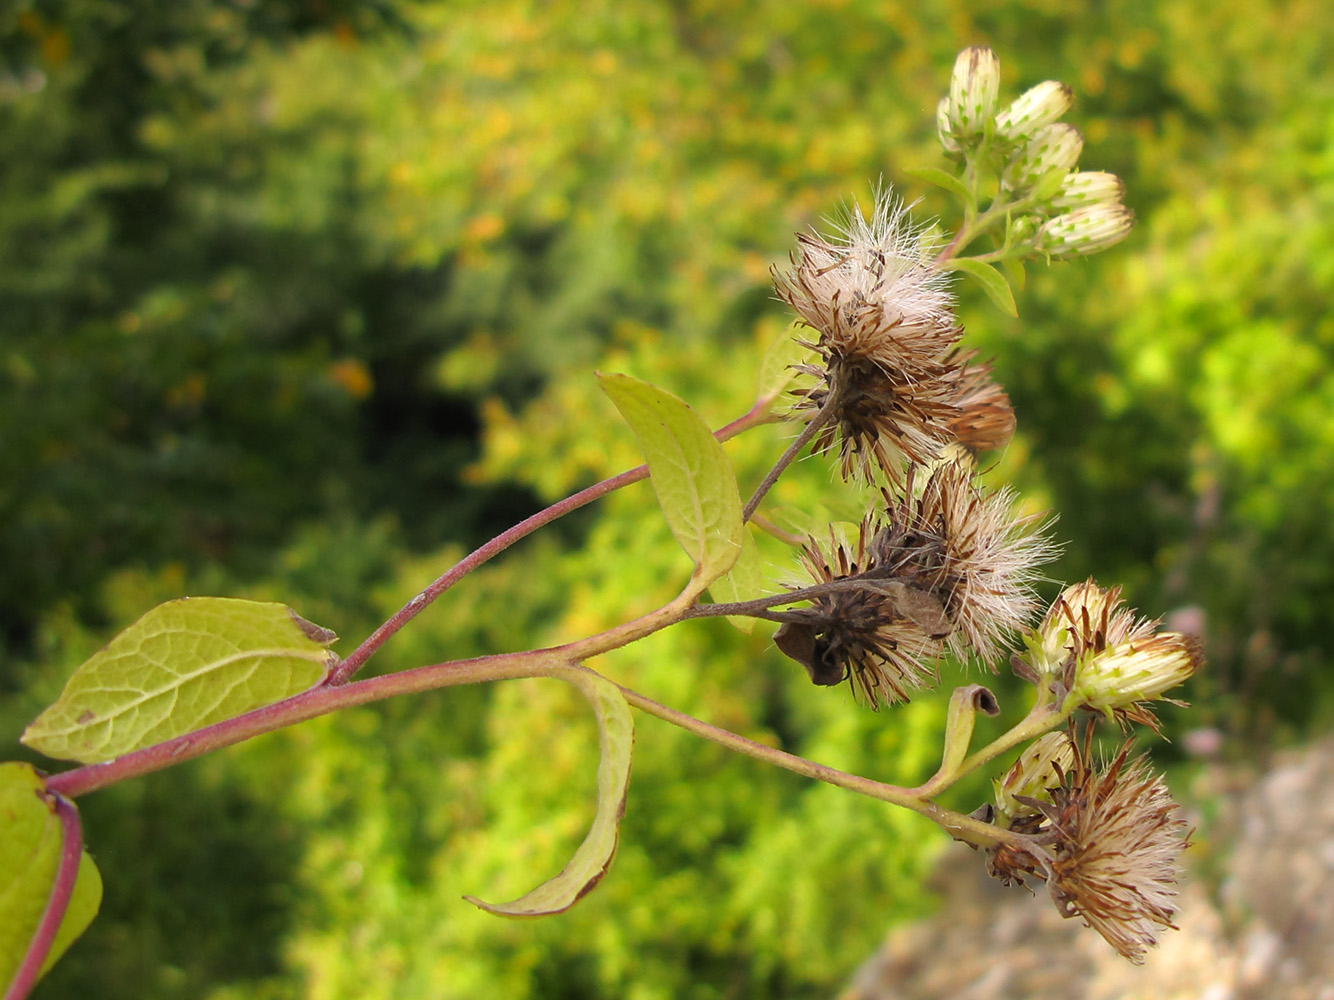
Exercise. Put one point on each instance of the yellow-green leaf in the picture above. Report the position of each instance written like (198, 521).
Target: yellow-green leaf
(944, 180)
(31, 840)
(184, 665)
(691, 475)
(742, 582)
(991, 280)
(776, 365)
(593, 858)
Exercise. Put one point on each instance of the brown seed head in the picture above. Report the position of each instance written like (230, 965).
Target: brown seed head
(1116, 843)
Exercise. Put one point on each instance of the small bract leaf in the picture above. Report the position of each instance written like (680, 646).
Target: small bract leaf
(593, 858)
(184, 665)
(694, 481)
(991, 280)
(742, 582)
(31, 838)
(776, 371)
(1014, 270)
(942, 179)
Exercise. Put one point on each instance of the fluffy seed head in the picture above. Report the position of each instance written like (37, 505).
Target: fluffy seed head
(882, 315)
(984, 559)
(881, 637)
(1116, 843)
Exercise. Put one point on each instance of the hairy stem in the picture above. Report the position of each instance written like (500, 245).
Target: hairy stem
(71, 851)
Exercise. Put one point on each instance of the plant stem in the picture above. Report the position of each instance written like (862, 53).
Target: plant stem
(769, 528)
(756, 607)
(1042, 718)
(958, 825)
(344, 671)
(809, 431)
(71, 851)
(325, 698)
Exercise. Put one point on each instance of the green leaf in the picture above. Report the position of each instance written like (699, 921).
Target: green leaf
(1014, 270)
(184, 665)
(690, 472)
(776, 371)
(942, 179)
(31, 839)
(991, 280)
(593, 858)
(742, 582)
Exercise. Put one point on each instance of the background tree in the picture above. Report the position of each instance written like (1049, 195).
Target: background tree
(297, 299)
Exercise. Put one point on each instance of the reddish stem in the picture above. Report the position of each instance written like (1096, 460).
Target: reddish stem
(71, 850)
(343, 672)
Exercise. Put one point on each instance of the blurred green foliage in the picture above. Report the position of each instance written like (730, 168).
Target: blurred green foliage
(298, 300)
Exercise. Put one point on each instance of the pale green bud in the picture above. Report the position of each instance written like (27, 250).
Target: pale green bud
(1038, 769)
(947, 138)
(974, 86)
(1052, 148)
(1085, 230)
(1036, 107)
(1136, 671)
(1086, 188)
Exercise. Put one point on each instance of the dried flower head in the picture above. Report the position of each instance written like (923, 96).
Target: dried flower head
(878, 635)
(885, 329)
(945, 566)
(984, 420)
(1116, 839)
(973, 551)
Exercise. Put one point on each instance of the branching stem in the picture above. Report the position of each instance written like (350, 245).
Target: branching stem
(341, 674)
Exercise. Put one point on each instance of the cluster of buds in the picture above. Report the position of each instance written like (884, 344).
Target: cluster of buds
(1106, 839)
(1067, 212)
(948, 566)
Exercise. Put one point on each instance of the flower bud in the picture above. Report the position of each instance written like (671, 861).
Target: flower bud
(1039, 768)
(947, 139)
(974, 86)
(1136, 671)
(1085, 230)
(1051, 148)
(1036, 107)
(1086, 188)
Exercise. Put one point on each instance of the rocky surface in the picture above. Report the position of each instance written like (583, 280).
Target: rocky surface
(1256, 917)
